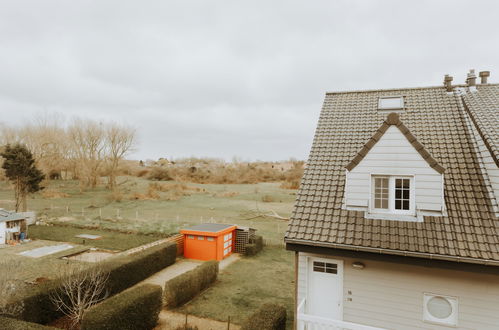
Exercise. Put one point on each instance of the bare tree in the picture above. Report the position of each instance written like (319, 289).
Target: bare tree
(10, 290)
(81, 287)
(88, 141)
(120, 141)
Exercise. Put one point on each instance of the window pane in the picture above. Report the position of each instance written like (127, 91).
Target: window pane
(405, 205)
(380, 193)
(406, 183)
(398, 204)
(398, 193)
(406, 194)
(398, 183)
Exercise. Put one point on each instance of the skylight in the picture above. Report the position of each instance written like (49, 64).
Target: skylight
(391, 103)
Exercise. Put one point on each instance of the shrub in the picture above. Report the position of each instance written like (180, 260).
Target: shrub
(255, 246)
(123, 271)
(187, 327)
(13, 324)
(183, 288)
(135, 309)
(159, 174)
(267, 317)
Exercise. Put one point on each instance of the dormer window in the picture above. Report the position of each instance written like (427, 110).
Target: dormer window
(392, 194)
(391, 103)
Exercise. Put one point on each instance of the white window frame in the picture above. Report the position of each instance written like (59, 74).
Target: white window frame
(451, 320)
(391, 195)
(384, 108)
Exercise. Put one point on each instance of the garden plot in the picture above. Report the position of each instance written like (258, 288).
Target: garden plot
(45, 250)
(91, 255)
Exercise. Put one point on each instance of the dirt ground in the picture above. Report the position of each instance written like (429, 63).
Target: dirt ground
(169, 320)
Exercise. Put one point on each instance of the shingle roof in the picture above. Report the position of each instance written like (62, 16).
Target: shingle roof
(440, 123)
(394, 119)
(483, 108)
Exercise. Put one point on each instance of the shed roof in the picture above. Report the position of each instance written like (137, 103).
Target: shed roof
(10, 216)
(443, 123)
(210, 227)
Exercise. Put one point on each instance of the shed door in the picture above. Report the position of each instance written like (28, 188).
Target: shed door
(325, 288)
(227, 244)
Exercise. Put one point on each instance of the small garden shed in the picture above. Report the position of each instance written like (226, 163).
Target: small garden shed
(209, 241)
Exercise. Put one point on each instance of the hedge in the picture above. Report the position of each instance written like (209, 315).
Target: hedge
(184, 287)
(13, 324)
(255, 246)
(267, 317)
(130, 270)
(124, 272)
(135, 309)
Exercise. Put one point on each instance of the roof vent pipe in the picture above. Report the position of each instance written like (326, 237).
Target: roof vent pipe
(484, 75)
(448, 83)
(471, 80)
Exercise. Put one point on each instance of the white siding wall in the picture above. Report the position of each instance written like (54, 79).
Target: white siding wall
(390, 295)
(2, 233)
(394, 155)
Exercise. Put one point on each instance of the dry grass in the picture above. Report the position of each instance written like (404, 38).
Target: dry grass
(115, 196)
(165, 191)
(206, 171)
(267, 199)
(52, 193)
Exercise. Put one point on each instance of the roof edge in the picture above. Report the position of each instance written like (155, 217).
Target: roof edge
(488, 262)
(394, 119)
(400, 89)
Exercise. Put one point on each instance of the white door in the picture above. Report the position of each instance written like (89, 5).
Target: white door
(325, 288)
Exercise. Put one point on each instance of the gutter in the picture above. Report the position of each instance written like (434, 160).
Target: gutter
(487, 262)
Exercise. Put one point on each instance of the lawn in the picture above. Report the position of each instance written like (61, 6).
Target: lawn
(247, 284)
(110, 240)
(239, 204)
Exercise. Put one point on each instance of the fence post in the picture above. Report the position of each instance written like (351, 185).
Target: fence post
(228, 324)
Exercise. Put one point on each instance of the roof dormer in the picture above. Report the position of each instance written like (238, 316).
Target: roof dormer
(394, 177)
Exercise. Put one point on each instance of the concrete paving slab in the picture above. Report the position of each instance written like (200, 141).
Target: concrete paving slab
(46, 250)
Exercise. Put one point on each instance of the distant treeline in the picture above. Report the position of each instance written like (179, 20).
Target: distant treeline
(94, 153)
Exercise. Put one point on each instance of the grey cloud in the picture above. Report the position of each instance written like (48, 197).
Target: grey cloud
(225, 78)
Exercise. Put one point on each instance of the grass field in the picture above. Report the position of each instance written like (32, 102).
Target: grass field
(238, 204)
(247, 284)
(110, 240)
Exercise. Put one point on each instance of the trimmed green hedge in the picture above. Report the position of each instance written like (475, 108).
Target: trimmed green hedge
(134, 309)
(267, 317)
(183, 288)
(124, 272)
(130, 270)
(255, 246)
(13, 324)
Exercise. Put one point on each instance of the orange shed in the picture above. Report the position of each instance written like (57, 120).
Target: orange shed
(209, 241)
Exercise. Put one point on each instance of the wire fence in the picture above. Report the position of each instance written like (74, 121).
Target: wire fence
(152, 221)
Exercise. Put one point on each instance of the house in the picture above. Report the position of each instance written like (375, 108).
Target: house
(11, 226)
(396, 223)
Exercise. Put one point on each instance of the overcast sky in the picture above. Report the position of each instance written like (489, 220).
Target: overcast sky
(228, 78)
